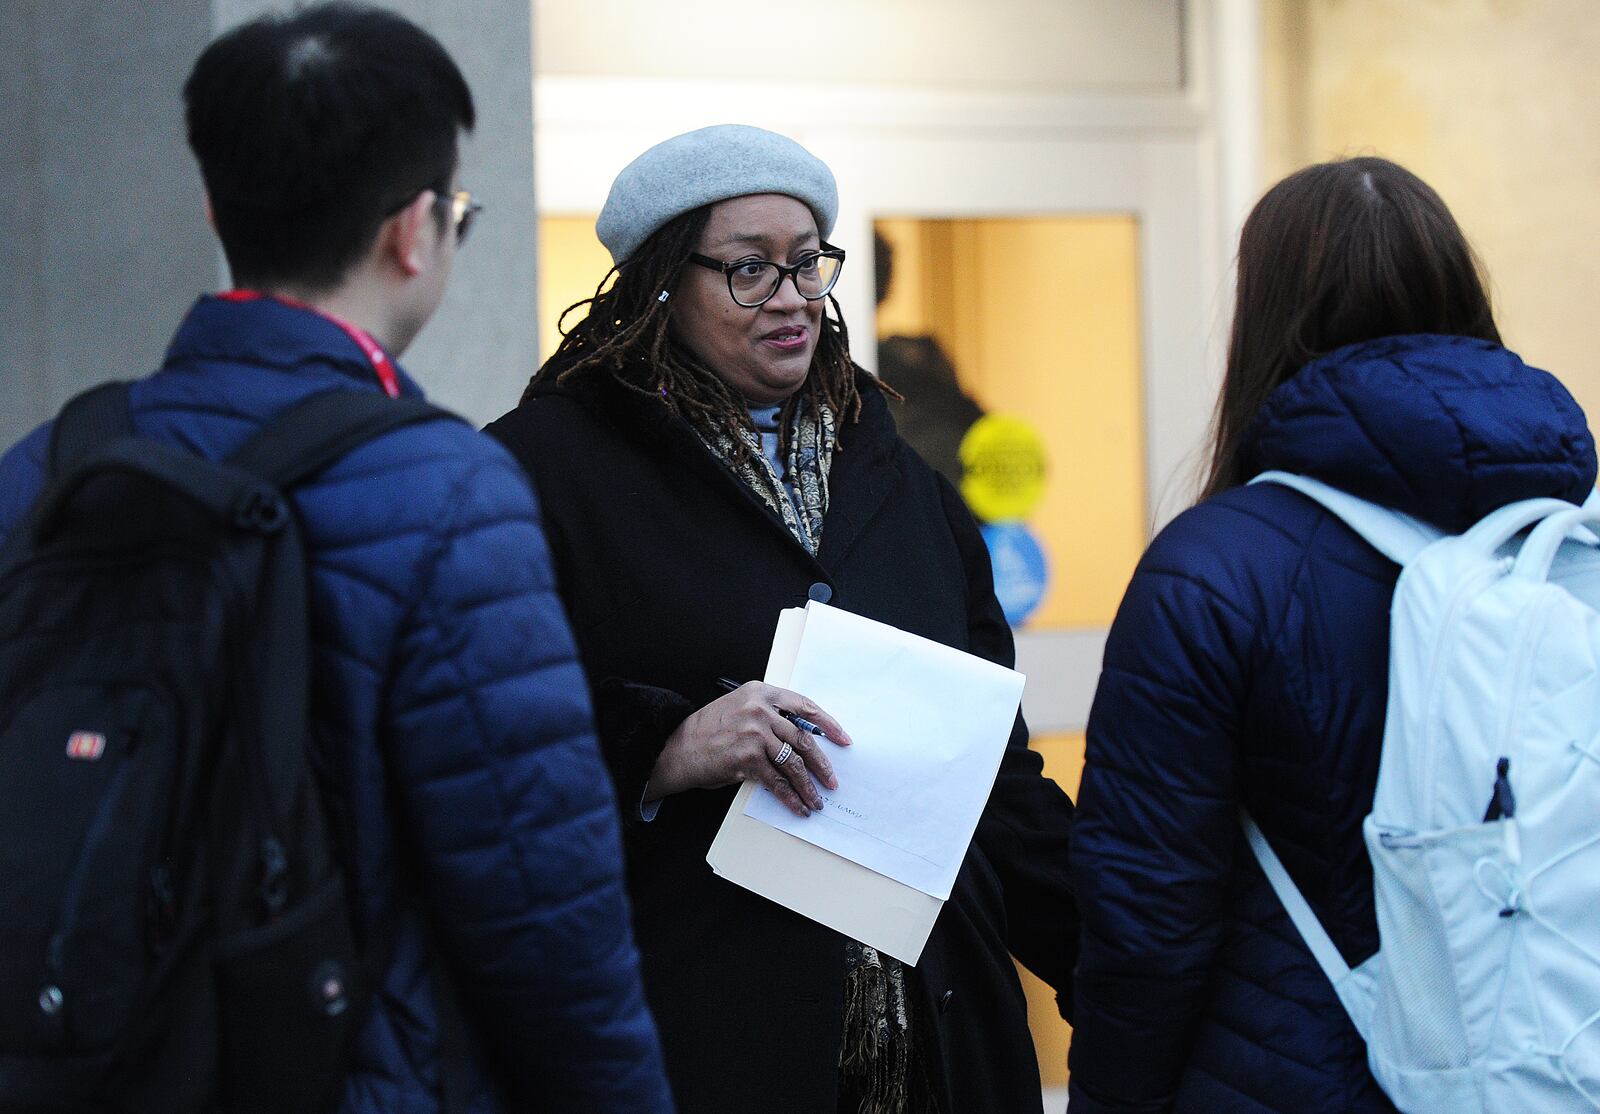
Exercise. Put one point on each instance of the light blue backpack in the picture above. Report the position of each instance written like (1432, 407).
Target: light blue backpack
(1484, 996)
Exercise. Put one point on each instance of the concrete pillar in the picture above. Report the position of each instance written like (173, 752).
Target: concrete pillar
(105, 244)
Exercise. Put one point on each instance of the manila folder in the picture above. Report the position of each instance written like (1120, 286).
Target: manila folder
(847, 897)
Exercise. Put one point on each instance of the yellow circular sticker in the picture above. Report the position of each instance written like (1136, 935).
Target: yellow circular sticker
(1003, 468)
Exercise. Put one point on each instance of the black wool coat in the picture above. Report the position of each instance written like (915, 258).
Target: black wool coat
(673, 573)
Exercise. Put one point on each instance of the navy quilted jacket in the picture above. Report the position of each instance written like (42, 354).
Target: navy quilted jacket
(1248, 664)
(444, 666)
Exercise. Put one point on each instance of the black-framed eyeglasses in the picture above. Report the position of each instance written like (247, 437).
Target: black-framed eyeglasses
(461, 209)
(751, 282)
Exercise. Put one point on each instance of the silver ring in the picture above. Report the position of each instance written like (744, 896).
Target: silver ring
(783, 755)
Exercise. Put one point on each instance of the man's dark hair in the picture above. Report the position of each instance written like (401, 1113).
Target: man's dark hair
(882, 264)
(311, 129)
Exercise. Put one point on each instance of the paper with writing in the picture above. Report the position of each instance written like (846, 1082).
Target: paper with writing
(847, 897)
(929, 726)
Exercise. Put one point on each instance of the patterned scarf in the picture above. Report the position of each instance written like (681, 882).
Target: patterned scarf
(810, 458)
(877, 1058)
(879, 1069)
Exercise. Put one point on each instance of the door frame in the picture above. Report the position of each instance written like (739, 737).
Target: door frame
(1182, 162)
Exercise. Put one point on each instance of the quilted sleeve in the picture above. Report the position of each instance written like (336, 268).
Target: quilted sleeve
(632, 719)
(508, 803)
(1025, 827)
(1155, 832)
(22, 471)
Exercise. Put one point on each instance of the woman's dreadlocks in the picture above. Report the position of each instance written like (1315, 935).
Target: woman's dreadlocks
(627, 334)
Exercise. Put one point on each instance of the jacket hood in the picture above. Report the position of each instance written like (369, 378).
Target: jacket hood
(1443, 428)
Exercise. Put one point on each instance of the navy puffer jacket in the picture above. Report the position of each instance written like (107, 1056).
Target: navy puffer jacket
(1248, 665)
(444, 668)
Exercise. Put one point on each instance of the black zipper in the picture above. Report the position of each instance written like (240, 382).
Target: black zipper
(72, 892)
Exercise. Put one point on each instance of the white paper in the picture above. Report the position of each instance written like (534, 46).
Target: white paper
(929, 726)
(847, 897)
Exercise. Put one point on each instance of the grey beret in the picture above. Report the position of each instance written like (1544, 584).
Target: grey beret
(712, 164)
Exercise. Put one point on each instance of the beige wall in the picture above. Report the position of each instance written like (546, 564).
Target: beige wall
(1496, 103)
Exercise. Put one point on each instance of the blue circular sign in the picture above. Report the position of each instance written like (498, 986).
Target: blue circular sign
(1021, 570)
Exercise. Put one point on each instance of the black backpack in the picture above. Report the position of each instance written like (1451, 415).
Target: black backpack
(175, 929)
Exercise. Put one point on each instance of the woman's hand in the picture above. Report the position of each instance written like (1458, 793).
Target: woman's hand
(740, 737)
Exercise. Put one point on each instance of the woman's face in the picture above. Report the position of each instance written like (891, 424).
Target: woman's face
(763, 353)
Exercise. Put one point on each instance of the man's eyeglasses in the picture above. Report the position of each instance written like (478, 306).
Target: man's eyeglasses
(751, 282)
(460, 208)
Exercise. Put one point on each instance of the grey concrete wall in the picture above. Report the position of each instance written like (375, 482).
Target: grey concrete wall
(105, 243)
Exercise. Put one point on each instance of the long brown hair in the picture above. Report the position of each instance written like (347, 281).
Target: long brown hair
(1337, 253)
(627, 335)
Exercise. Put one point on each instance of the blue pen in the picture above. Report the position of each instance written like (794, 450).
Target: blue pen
(799, 721)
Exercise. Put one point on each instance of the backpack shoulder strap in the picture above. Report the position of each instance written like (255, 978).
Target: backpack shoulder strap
(1397, 536)
(313, 433)
(1353, 986)
(91, 419)
(1294, 903)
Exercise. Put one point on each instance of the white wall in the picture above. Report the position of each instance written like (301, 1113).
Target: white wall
(1115, 45)
(1144, 106)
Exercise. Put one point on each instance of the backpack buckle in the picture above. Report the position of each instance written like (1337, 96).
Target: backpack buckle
(261, 510)
(330, 988)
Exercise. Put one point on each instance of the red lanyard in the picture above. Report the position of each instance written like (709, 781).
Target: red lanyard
(382, 366)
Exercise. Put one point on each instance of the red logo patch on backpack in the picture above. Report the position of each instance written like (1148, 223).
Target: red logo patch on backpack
(86, 746)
